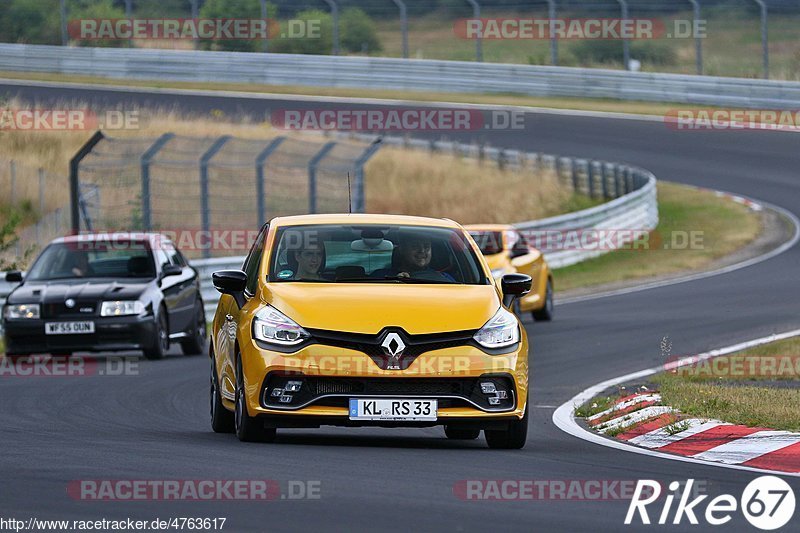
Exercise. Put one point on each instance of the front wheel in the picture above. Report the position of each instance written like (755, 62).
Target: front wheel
(221, 419)
(513, 438)
(461, 434)
(160, 345)
(248, 429)
(546, 312)
(195, 343)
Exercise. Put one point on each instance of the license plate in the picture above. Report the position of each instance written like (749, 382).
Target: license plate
(69, 328)
(392, 409)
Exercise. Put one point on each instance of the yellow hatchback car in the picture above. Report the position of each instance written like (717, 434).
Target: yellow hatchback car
(368, 320)
(506, 251)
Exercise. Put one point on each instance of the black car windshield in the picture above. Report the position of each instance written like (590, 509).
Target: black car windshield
(490, 242)
(94, 259)
(336, 253)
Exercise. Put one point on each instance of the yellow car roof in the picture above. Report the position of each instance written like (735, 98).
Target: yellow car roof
(358, 218)
(488, 227)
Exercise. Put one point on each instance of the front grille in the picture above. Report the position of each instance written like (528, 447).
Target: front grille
(60, 310)
(465, 391)
(415, 345)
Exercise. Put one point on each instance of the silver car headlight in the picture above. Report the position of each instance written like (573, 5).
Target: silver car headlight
(121, 308)
(272, 326)
(20, 311)
(500, 331)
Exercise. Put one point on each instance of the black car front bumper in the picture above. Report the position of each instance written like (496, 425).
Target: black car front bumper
(27, 337)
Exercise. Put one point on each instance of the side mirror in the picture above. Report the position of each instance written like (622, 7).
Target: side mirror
(171, 270)
(514, 286)
(231, 282)
(14, 276)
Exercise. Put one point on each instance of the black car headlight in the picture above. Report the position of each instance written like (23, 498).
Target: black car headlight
(22, 311)
(121, 308)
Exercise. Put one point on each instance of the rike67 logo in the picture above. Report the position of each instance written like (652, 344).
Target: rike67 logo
(767, 502)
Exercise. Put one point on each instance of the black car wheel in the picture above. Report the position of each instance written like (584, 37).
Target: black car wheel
(196, 342)
(248, 429)
(546, 313)
(512, 438)
(160, 340)
(461, 434)
(222, 420)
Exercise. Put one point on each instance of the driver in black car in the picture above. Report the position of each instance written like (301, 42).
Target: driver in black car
(413, 261)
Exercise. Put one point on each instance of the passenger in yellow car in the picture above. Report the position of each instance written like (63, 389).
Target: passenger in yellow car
(308, 262)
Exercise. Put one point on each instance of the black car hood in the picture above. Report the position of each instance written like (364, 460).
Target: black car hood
(96, 289)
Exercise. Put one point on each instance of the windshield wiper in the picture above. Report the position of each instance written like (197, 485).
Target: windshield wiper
(405, 279)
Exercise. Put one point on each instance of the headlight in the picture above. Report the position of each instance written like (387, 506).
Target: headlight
(121, 308)
(270, 325)
(500, 331)
(498, 273)
(22, 311)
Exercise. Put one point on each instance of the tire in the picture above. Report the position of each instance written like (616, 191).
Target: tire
(222, 420)
(247, 428)
(545, 314)
(513, 438)
(195, 344)
(160, 345)
(461, 434)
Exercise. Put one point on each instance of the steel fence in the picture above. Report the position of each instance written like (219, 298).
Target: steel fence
(399, 74)
(744, 37)
(212, 192)
(36, 198)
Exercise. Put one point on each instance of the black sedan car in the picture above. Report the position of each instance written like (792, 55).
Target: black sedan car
(105, 292)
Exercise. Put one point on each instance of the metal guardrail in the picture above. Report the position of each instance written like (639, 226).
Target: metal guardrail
(398, 74)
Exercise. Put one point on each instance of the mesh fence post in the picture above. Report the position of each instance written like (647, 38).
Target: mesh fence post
(312, 175)
(360, 198)
(74, 181)
(260, 160)
(205, 212)
(147, 157)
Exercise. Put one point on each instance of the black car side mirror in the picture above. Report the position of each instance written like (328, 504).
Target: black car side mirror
(514, 286)
(232, 282)
(14, 276)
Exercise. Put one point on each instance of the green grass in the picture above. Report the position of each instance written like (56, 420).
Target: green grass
(725, 226)
(738, 397)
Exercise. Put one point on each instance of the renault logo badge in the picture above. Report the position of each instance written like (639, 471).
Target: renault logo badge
(70, 303)
(393, 346)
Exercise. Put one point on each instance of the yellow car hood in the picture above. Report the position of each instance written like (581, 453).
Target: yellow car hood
(369, 307)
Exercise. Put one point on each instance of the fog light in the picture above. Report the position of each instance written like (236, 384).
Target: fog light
(488, 388)
(286, 398)
(494, 400)
(502, 395)
(293, 386)
(276, 392)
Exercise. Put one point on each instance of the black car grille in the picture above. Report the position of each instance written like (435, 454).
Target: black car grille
(82, 308)
(456, 391)
(415, 345)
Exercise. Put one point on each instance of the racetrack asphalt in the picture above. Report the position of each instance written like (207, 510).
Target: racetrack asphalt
(155, 425)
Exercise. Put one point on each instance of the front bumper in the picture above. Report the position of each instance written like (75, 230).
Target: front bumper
(333, 375)
(27, 337)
